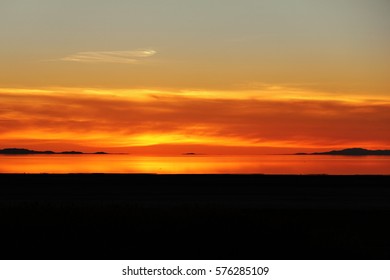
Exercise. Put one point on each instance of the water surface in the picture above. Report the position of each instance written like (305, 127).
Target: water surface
(202, 164)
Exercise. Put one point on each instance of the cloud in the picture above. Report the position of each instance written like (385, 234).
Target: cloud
(126, 57)
(104, 120)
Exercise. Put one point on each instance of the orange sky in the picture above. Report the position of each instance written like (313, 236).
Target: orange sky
(206, 76)
(202, 122)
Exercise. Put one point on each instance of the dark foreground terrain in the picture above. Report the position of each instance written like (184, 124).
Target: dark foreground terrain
(102, 216)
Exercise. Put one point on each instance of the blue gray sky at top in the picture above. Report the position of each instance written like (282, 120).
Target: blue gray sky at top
(335, 45)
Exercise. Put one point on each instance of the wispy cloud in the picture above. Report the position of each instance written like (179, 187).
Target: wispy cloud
(129, 56)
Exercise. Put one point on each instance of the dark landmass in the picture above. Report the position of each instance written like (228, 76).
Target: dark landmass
(140, 216)
(191, 154)
(21, 151)
(351, 152)
(18, 151)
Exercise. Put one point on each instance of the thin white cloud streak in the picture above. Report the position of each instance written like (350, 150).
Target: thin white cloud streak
(126, 57)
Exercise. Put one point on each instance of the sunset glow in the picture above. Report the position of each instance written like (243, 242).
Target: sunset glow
(108, 119)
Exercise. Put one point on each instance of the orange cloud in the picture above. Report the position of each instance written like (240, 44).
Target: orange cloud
(120, 120)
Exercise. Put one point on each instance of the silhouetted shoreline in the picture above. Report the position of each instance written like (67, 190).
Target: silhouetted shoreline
(351, 152)
(147, 216)
(22, 151)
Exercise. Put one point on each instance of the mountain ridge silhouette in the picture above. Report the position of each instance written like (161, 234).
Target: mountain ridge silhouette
(351, 152)
(23, 151)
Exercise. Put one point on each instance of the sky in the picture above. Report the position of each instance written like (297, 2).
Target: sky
(209, 76)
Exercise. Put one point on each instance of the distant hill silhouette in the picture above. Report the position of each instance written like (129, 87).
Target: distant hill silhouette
(21, 151)
(352, 152)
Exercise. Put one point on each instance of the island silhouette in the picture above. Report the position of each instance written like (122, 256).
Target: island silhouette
(351, 152)
(22, 151)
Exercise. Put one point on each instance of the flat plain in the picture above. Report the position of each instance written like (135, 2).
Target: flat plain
(148, 216)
